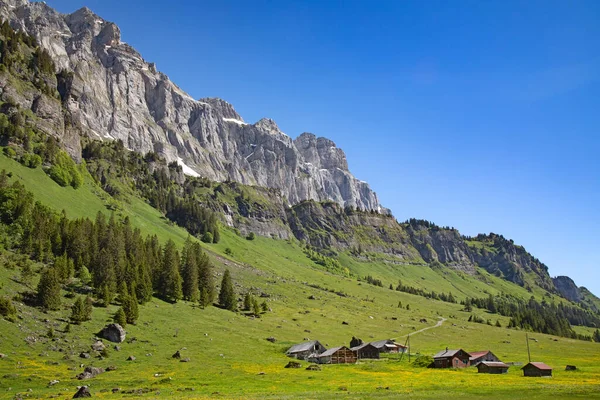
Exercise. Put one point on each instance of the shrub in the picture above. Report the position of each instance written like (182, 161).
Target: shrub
(250, 236)
(207, 237)
(10, 152)
(423, 361)
(228, 251)
(7, 309)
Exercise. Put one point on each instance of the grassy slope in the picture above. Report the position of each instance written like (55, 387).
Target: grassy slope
(228, 351)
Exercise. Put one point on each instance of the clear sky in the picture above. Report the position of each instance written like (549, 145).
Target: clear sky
(482, 115)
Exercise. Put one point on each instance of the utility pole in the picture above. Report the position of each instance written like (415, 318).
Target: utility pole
(528, 351)
(409, 348)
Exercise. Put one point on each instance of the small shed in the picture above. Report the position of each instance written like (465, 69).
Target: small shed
(451, 359)
(338, 355)
(388, 346)
(366, 350)
(537, 369)
(302, 351)
(492, 367)
(479, 356)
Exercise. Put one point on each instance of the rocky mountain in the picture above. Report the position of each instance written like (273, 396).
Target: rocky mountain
(110, 92)
(567, 288)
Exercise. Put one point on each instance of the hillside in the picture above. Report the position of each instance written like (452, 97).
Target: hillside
(92, 231)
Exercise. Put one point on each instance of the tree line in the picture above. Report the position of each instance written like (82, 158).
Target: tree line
(118, 263)
(543, 317)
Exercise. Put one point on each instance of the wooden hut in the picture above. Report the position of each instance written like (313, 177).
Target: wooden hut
(451, 359)
(492, 367)
(537, 369)
(338, 355)
(303, 350)
(388, 346)
(366, 350)
(479, 356)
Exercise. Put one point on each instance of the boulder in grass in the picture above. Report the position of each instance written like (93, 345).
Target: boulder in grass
(98, 346)
(293, 364)
(571, 368)
(113, 332)
(90, 372)
(177, 355)
(83, 391)
(313, 367)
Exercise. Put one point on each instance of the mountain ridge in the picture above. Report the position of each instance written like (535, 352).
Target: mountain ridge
(268, 151)
(114, 93)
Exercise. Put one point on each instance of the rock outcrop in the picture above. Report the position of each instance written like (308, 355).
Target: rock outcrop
(110, 92)
(113, 332)
(567, 288)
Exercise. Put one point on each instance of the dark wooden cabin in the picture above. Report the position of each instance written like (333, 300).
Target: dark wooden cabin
(366, 350)
(451, 359)
(302, 351)
(479, 356)
(388, 346)
(537, 369)
(492, 367)
(338, 355)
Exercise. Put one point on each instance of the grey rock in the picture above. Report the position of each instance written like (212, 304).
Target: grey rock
(113, 332)
(567, 288)
(90, 372)
(98, 346)
(83, 391)
(84, 355)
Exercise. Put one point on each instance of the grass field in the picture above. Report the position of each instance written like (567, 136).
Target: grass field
(229, 354)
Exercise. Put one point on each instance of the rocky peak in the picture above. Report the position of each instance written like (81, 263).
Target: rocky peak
(15, 3)
(222, 107)
(321, 152)
(567, 288)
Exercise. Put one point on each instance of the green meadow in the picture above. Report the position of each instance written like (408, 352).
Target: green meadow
(229, 354)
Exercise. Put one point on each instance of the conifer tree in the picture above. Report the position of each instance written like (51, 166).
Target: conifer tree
(78, 311)
(120, 317)
(130, 308)
(255, 308)
(189, 272)
(206, 285)
(48, 290)
(170, 280)
(248, 301)
(227, 295)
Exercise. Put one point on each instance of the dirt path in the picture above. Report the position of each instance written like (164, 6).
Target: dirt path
(437, 325)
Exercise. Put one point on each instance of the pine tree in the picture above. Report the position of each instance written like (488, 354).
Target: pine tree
(248, 301)
(48, 290)
(255, 308)
(206, 285)
(120, 317)
(189, 272)
(170, 280)
(227, 295)
(78, 311)
(84, 275)
(498, 325)
(596, 336)
(264, 306)
(130, 308)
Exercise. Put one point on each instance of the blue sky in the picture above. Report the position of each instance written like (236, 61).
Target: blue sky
(482, 115)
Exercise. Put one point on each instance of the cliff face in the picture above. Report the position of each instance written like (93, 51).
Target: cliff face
(113, 93)
(567, 288)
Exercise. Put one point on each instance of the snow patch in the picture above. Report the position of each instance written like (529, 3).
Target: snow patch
(235, 121)
(187, 170)
(99, 21)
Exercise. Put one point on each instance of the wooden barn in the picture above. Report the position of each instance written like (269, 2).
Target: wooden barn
(388, 346)
(338, 355)
(492, 367)
(537, 369)
(451, 359)
(366, 350)
(479, 356)
(303, 350)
